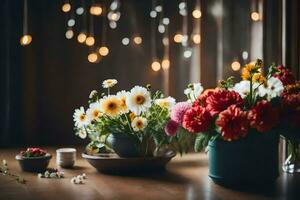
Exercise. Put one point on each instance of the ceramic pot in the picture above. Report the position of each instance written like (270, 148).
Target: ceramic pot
(123, 145)
(34, 164)
(248, 161)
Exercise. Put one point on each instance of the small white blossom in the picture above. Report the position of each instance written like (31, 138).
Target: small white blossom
(92, 94)
(109, 83)
(194, 92)
(273, 89)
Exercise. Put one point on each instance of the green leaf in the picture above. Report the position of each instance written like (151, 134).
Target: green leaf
(201, 141)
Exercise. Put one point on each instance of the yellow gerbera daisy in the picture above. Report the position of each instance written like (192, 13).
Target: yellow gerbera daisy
(122, 95)
(110, 106)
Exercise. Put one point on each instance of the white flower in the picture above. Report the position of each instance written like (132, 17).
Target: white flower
(138, 100)
(94, 111)
(80, 118)
(92, 94)
(243, 88)
(122, 95)
(194, 92)
(82, 133)
(168, 102)
(139, 123)
(109, 83)
(273, 89)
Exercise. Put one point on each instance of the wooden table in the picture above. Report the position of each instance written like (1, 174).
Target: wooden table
(185, 178)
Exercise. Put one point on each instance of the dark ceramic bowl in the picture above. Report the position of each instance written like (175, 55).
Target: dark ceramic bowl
(123, 145)
(113, 164)
(34, 164)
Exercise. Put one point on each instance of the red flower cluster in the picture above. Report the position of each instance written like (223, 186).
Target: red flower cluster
(196, 119)
(263, 116)
(33, 152)
(284, 74)
(233, 123)
(220, 100)
(291, 109)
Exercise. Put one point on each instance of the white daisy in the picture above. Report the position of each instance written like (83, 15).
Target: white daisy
(273, 89)
(122, 95)
(139, 123)
(80, 118)
(194, 92)
(138, 100)
(94, 111)
(92, 94)
(82, 133)
(108, 83)
(168, 102)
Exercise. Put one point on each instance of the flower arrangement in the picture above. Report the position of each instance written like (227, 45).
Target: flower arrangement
(230, 112)
(138, 113)
(33, 152)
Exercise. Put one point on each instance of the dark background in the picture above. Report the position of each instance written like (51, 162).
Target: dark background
(43, 83)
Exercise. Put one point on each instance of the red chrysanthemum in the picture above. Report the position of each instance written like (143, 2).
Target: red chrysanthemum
(201, 100)
(284, 74)
(263, 116)
(291, 109)
(233, 123)
(196, 119)
(220, 100)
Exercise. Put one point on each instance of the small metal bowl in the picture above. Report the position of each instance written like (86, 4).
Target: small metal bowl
(34, 164)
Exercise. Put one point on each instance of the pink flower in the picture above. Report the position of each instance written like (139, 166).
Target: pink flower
(171, 128)
(178, 111)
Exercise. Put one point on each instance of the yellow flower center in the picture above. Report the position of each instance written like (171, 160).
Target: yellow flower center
(96, 113)
(82, 117)
(111, 107)
(140, 99)
(139, 124)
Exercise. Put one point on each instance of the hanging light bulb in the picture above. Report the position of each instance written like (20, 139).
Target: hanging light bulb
(25, 40)
(137, 40)
(125, 41)
(255, 16)
(69, 34)
(113, 24)
(95, 10)
(196, 13)
(197, 38)
(90, 41)
(93, 57)
(165, 64)
(178, 38)
(66, 7)
(81, 37)
(155, 66)
(235, 65)
(80, 11)
(187, 53)
(71, 22)
(103, 51)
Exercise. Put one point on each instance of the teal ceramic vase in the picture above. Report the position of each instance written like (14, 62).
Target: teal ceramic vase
(250, 160)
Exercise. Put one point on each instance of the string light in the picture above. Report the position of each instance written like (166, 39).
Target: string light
(155, 66)
(66, 7)
(158, 8)
(255, 16)
(197, 38)
(113, 24)
(69, 34)
(92, 57)
(161, 28)
(71, 22)
(137, 40)
(235, 65)
(187, 53)
(103, 51)
(245, 55)
(165, 64)
(125, 41)
(95, 10)
(166, 21)
(196, 13)
(178, 38)
(80, 11)
(25, 40)
(81, 37)
(90, 41)
(153, 14)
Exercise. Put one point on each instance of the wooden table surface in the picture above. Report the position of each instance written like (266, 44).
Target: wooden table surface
(185, 178)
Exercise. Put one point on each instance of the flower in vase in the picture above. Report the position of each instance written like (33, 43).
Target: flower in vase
(291, 109)
(110, 106)
(138, 100)
(233, 123)
(108, 83)
(284, 75)
(193, 91)
(263, 116)
(171, 128)
(196, 119)
(94, 111)
(122, 95)
(220, 100)
(82, 133)
(80, 118)
(243, 88)
(178, 111)
(167, 103)
(272, 89)
(139, 123)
